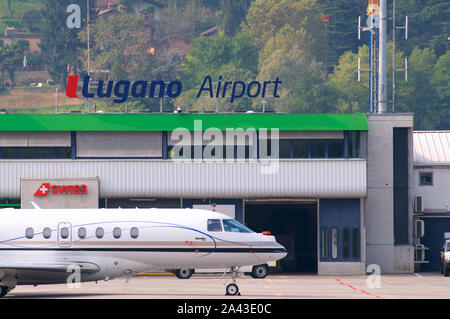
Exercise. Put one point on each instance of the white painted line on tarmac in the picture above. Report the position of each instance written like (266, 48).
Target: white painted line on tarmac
(418, 275)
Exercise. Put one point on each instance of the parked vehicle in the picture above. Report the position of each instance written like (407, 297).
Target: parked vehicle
(445, 256)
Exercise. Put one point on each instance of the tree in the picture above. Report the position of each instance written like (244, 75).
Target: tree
(440, 80)
(341, 29)
(121, 42)
(210, 54)
(233, 58)
(287, 56)
(11, 57)
(60, 44)
(233, 13)
(265, 18)
(428, 24)
(3, 56)
(187, 21)
(418, 94)
(32, 19)
(210, 4)
(312, 93)
(354, 95)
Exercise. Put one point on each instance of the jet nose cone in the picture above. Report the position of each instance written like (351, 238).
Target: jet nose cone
(272, 249)
(281, 252)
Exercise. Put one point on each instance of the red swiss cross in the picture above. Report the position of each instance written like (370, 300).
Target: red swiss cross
(43, 190)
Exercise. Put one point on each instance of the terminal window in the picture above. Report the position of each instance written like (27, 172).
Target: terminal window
(209, 152)
(34, 152)
(335, 148)
(298, 148)
(426, 179)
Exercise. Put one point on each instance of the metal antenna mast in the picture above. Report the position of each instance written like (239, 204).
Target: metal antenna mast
(405, 69)
(382, 92)
(377, 25)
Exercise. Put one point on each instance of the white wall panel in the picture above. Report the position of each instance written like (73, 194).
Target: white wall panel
(119, 144)
(436, 197)
(31, 139)
(198, 179)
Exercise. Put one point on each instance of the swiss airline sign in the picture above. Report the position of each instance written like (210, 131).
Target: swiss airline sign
(47, 188)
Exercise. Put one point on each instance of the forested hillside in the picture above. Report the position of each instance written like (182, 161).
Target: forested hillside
(256, 40)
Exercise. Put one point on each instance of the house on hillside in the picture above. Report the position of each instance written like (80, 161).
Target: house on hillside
(105, 4)
(138, 5)
(12, 35)
(179, 44)
(210, 32)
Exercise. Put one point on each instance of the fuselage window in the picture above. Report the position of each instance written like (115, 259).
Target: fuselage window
(232, 225)
(99, 232)
(64, 232)
(214, 225)
(29, 232)
(82, 232)
(134, 232)
(47, 233)
(117, 232)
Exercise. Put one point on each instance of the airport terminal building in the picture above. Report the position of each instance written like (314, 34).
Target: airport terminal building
(335, 189)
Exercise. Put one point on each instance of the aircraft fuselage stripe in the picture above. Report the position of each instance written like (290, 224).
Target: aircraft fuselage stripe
(162, 249)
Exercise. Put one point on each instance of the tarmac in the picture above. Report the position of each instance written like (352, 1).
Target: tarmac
(274, 286)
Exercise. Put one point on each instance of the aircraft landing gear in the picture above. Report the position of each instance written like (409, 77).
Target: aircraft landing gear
(7, 283)
(233, 289)
(3, 291)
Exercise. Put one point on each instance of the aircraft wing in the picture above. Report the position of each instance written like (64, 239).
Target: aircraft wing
(84, 267)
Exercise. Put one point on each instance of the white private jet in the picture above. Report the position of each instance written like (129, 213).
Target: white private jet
(49, 246)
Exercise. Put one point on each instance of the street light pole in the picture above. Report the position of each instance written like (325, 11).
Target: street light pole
(325, 20)
(88, 38)
(56, 101)
(88, 47)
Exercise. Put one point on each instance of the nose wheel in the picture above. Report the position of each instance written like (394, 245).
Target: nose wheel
(233, 289)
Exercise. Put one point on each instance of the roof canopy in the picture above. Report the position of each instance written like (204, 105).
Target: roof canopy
(431, 148)
(171, 121)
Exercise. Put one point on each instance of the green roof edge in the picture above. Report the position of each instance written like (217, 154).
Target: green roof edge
(171, 121)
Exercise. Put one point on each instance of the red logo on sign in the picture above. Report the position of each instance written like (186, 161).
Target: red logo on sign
(45, 188)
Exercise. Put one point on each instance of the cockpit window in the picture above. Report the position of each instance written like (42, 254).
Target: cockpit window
(214, 225)
(448, 246)
(235, 226)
